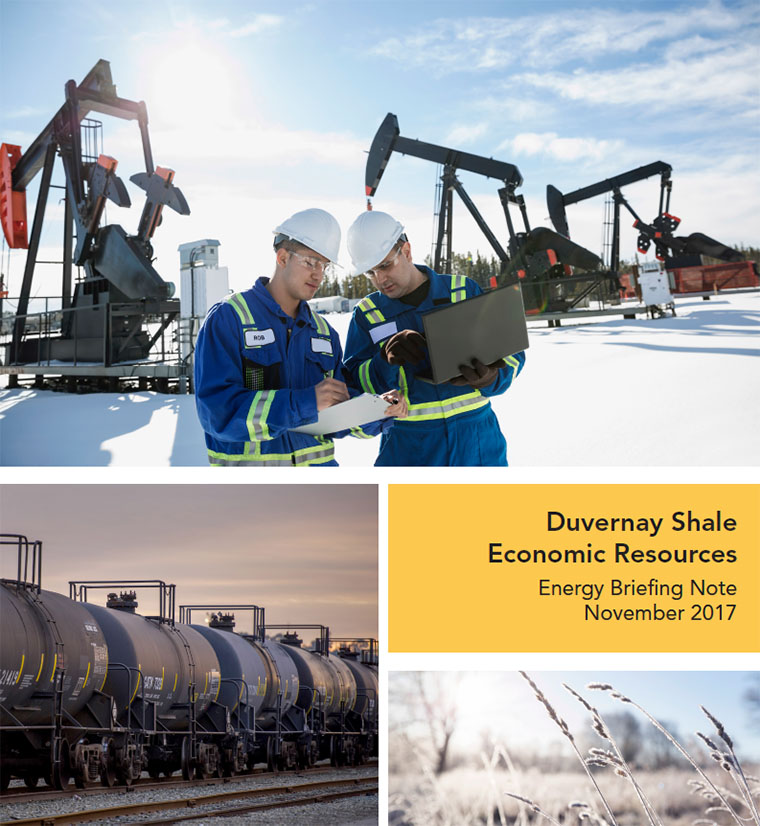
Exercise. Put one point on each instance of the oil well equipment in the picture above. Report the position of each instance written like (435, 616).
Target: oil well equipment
(117, 318)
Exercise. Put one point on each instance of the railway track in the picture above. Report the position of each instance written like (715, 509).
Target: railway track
(216, 804)
(22, 794)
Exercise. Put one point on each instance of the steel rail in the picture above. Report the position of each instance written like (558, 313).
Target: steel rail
(100, 814)
(22, 794)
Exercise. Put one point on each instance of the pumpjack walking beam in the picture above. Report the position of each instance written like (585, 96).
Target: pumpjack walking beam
(118, 267)
(660, 231)
(388, 139)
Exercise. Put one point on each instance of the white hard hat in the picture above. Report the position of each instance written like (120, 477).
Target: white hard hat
(315, 229)
(370, 238)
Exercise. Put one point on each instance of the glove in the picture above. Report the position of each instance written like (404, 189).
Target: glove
(479, 375)
(404, 346)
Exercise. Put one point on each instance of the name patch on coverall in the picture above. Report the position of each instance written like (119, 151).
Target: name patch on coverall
(255, 338)
(383, 331)
(321, 345)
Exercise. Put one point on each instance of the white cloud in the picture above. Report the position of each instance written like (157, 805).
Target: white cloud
(721, 79)
(466, 134)
(260, 23)
(562, 149)
(542, 40)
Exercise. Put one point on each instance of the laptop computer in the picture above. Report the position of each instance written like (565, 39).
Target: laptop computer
(486, 327)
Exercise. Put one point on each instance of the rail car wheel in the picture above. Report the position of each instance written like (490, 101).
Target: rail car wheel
(108, 763)
(337, 755)
(31, 780)
(127, 767)
(271, 755)
(62, 767)
(187, 769)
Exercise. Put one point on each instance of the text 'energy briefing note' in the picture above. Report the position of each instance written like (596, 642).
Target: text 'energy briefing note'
(574, 568)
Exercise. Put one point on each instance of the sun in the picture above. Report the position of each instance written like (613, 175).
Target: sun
(190, 81)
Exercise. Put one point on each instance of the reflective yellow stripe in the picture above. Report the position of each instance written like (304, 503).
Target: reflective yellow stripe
(240, 306)
(218, 684)
(323, 328)
(458, 288)
(360, 434)
(42, 660)
(86, 676)
(163, 674)
(512, 362)
(137, 685)
(55, 662)
(427, 411)
(404, 384)
(205, 687)
(176, 676)
(256, 421)
(373, 315)
(316, 455)
(364, 379)
(20, 669)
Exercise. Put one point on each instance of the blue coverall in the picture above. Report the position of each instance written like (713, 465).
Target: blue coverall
(255, 373)
(447, 425)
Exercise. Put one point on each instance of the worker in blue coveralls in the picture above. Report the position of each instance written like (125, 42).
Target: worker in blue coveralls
(266, 363)
(449, 424)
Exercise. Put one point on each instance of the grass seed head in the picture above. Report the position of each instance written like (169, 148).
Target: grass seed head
(722, 733)
(707, 740)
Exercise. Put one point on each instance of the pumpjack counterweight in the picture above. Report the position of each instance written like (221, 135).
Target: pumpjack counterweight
(530, 253)
(106, 320)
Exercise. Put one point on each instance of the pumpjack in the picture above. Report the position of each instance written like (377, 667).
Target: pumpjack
(537, 255)
(122, 306)
(669, 248)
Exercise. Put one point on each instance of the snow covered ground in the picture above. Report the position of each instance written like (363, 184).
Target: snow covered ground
(681, 391)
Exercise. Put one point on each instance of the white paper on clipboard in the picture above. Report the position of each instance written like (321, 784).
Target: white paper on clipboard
(353, 413)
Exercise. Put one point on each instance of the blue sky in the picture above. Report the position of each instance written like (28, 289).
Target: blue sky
(266, 108)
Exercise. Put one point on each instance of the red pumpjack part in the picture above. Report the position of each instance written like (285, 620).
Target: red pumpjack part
(12, 204)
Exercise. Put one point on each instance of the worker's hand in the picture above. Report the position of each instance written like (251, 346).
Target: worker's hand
(479, 375)
(398, 406)
(330, 392)
(405, 346)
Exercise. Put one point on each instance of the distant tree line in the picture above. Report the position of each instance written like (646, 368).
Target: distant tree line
(479, 268)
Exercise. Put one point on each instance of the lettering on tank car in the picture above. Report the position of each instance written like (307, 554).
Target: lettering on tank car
(152, 686)
(93, 629)
(77, 688)
(26, 681)
(8, 677)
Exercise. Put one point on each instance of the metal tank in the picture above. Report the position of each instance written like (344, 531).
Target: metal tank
(367, 686)
(325, 682)
(250, 672)
(45, 635)
(157, 662)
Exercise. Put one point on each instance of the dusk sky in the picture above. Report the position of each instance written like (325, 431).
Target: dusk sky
(305, 553)
(266, 108)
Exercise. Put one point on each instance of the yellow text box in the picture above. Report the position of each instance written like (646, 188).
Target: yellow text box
(478, 568)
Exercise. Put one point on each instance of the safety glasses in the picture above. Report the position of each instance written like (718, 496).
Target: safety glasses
(314, 264)
(386, 265)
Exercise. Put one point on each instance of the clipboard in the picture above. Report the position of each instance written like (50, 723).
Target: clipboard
(352, 413)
